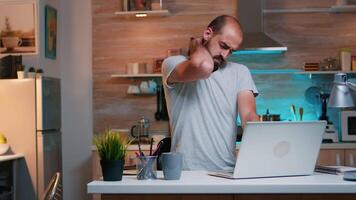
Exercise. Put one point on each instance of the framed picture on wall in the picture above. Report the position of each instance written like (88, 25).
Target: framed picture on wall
(18, 27)
(50, 32)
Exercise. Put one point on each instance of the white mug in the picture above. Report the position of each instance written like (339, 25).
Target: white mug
(133, 89)
(144, 87)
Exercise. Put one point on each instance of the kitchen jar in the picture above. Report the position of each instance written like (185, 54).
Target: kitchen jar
(141, 128)
(345, 59)
(146, 167)
(270, 117)
(329, 64)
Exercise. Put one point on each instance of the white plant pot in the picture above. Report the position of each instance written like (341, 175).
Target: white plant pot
(31, 74)
(38, 75)
(20, 74)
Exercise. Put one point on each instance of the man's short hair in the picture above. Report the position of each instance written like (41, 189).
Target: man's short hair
(219, 22)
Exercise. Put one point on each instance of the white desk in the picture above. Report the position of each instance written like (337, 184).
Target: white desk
(197, 185)
(13, 159)
(198, 182)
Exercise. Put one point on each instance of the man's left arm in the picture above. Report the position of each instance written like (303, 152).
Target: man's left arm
(246, 107)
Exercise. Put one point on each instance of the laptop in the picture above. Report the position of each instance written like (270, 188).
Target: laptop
(275, 149)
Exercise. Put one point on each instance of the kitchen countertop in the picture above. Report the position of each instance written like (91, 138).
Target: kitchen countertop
(350, 145)
(340, 145)
(10, 157)
(198, 182)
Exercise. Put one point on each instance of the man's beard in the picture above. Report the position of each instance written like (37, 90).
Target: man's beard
(219, 61)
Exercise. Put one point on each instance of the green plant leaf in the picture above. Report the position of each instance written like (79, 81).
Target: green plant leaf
(111, 145)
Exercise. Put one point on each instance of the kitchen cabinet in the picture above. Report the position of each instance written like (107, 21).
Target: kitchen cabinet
(342, 154)
(9, 170)
(350, 158)
(331, 157)
(130, 159)
(96, 170)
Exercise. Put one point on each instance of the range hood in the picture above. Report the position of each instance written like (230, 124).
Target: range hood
(255, 40)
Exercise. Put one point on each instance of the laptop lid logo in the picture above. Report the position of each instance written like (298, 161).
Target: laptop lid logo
(281, 149)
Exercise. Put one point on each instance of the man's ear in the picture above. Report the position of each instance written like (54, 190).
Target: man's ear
(208, 33)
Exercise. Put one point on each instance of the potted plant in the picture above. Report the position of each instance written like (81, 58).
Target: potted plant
(20, 71)
(10, 38)
(31, 73)
(112, 148)
(39, 73)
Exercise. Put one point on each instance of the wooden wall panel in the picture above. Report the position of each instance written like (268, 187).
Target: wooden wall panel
(277, 4)
(310, 37)
(117, 41)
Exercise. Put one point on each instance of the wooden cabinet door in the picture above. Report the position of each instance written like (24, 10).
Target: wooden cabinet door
(130, 158)
(350, 157)
(96, 165)
(331, 157)
(96, 171)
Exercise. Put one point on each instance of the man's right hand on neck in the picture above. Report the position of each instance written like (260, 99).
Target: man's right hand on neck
(200, 64)
(200, 57)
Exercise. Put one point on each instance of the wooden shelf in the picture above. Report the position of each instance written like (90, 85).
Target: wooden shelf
(4, 158)
(136, 75)
(142, 94)
(253, 71)
(295, 71)
(273, 71)
(143, 13)
(326, 72)
(332, 9)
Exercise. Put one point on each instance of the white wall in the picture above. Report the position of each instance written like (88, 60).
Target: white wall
(74, 66)
(77, 118)
(50, 67)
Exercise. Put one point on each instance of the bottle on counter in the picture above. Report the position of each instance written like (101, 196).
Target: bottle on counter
(345, 59)
(353, 58)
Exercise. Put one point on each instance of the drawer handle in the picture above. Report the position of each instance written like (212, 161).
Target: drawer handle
(351, 159)
(338, 161)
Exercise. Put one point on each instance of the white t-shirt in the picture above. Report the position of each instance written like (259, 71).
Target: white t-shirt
(203, 115)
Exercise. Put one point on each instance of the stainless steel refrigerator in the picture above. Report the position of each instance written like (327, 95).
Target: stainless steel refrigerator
(30, 118)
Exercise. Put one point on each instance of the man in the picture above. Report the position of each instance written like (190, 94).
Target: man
(204, 94)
